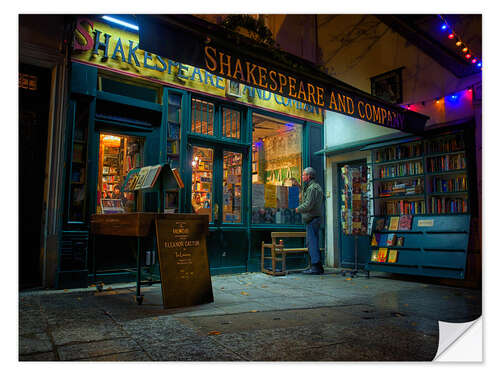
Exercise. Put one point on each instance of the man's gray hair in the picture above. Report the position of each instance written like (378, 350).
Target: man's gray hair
(310, 172)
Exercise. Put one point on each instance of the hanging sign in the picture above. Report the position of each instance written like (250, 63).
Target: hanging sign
(97, 43)
(259, 71)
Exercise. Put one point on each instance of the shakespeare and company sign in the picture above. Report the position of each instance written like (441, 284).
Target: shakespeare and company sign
(117, 50)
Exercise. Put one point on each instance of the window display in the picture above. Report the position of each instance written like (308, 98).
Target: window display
(232, 187)
(201, 188)
(118, 154)
(276, 171)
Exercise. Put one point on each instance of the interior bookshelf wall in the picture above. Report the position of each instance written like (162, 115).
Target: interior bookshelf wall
(427, 176)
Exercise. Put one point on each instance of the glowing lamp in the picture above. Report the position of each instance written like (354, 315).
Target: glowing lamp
(479, 64)
(451, 36)
(465, 49)
(474, 60)
(443, 27)
(468, 56)
(458, 43)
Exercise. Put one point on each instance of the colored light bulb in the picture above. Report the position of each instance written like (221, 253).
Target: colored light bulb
(451, 36)
(465, 49)
(479, 64)
(458, 43)
(468, 56)
(443, 27)
(474, 61)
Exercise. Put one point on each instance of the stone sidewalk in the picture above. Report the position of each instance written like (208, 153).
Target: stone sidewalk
(255, 317)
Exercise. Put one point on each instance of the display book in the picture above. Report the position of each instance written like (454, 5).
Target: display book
(142, 179)
(388, 236)
(354, 200)
(424, 176)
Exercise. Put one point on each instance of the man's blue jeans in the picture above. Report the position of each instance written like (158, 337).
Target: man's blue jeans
(312, 240)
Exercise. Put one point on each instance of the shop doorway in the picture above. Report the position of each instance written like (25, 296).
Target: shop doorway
(34, 102)
(218, 189)
(353, 215)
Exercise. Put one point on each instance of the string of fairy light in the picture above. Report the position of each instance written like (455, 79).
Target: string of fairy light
(468, 54)
(452, 97)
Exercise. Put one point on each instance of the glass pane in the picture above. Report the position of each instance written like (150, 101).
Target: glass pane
(77, 206)
(202, 117)
(276, 171)
(174, 129)
(231, 123)
(201, 189)
(118, 154)
(231, 212)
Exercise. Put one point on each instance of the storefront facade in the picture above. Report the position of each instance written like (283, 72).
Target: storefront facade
(240, 152)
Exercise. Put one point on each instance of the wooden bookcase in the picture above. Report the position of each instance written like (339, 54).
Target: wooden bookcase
(425, 176)
(428, 179)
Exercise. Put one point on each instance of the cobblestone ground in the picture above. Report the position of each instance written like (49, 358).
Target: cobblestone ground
(255, 317)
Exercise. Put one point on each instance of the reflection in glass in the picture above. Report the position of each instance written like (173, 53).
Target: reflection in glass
(201, 188)
(231, 212)
(276, 171)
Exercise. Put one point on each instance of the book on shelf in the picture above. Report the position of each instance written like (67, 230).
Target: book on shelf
(391, 239)
(178, 178)
(382, 255)
(379, 224)
(130, 180)
(151, 177)
(374, 256)
(400, 241)
(393, 256)
(141, 177)
(383, 240)
(405, 222)
(393, 223)
(375, 239)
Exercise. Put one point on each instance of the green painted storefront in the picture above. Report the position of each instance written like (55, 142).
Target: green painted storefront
(101, 102)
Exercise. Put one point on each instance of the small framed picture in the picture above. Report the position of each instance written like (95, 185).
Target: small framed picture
(388, 86)
(234, 89)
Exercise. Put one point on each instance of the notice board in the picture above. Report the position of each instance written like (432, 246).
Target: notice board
(182, 253)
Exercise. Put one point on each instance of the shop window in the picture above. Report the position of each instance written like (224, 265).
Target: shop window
(232, 187)
(78, 178)
(202, 117)
(202, 178)
(174, 128)
(276, 171)
(123, 87)
(231, 123)
(118, 154)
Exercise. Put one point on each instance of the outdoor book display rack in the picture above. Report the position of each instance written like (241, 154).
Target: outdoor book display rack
(427, 180)
(433, 245)
(188, 242)
(354, 210)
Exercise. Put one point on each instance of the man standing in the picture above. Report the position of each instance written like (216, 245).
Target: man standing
(311, 210)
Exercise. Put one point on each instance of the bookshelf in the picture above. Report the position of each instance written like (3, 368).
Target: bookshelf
(426, 179)
(399, 179)
(431, 245)
(446, 174)
(427, 176)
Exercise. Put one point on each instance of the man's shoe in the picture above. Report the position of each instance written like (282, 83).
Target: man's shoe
(316, 269)
(311, 271)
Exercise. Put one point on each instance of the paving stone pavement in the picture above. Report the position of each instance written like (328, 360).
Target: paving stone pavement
(254, 317)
